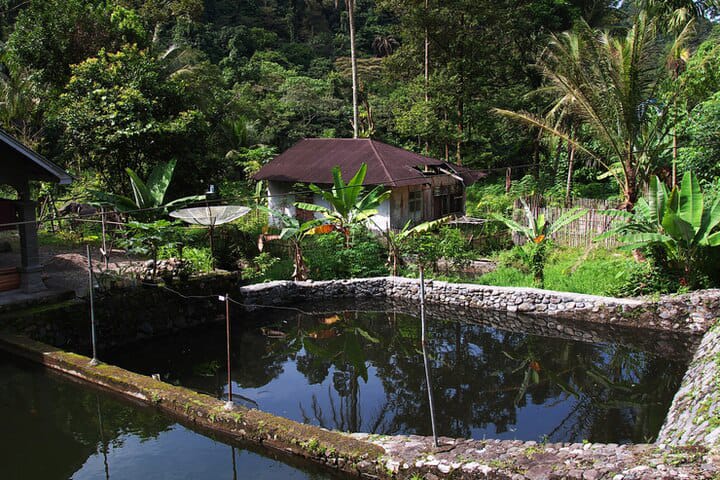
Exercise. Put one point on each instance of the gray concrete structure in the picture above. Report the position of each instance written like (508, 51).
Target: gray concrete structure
(19, 165)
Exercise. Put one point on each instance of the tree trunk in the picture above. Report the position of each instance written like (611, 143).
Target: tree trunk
(427, 70)
(571, 161)
(300, 272)
(461, 108)
(631, 190)
(353, 60)
(675, 143)
(461, 96)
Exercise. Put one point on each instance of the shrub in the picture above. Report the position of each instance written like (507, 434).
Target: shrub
(644, 278)
(448, 243)
(267, 267)
(199, 260)
(327, 258)
(238, 240)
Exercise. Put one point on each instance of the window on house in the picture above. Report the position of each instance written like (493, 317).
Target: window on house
(415, 205)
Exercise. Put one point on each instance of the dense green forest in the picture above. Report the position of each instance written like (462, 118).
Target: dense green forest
(223, 85)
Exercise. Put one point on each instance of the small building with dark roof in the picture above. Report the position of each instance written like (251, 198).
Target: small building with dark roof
(19, 165)
(423, 188)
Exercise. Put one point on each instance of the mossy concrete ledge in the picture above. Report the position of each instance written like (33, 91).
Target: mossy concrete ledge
(336, 450)
(377, 456)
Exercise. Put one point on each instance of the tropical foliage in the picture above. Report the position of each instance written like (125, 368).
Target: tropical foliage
(349, 204)
(294, 231)
(609, 84)
(397, 241)
(612, 92)
(680, 222)
(148, 197)
(538, 232)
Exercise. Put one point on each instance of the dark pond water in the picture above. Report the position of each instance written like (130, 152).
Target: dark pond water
(364, 371)
(53, 428)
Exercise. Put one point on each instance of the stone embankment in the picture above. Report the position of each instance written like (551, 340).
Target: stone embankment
(125, 315)
(694, 416)
(692, 313)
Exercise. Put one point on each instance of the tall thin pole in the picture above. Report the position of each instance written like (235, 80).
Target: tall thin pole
(94, 360)
(212, 246)
(427, 69)
(425, 357)
(105, 253)
(229, 403)
(422, 302)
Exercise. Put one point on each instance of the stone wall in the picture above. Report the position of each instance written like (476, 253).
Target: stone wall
(694, 416)
(691, 313)
(125, 316)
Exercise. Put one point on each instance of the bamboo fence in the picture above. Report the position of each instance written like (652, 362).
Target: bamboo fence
(583, 232)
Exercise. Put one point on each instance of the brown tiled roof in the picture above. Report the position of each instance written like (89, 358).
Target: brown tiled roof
(311, 160)
(18, 160)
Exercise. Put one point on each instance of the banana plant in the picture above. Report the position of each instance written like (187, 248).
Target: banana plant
(678, 221)
(537, 232)
(295, 232)
(396, 240)
(148, 197)
(348, 205)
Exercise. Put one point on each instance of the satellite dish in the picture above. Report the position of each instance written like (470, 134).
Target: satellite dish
(210, 217)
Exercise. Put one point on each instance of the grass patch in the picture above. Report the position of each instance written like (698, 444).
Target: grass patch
(68, 239)
(594, 272)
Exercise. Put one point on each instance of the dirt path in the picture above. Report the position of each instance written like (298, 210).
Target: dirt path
(65, 266)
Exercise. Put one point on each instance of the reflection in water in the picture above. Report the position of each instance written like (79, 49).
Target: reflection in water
(365, 372)
(428, 384)
(423, 339)
(56, 429)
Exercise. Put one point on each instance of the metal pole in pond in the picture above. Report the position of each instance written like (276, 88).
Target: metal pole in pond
(229, 403)
(422, 302)
(425, 356)
(94, 360)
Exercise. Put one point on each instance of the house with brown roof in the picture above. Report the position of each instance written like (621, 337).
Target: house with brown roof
(423, 188)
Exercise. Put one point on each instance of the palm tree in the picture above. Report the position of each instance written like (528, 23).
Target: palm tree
(609, 84)
(537, 233)
(148, 200)
(19, 106)
(678, 12)
(385, 45)
(350, 6)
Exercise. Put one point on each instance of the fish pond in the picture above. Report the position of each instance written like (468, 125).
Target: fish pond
(364, 369)
(54, 428)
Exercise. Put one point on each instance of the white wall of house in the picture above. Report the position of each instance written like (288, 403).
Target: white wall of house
(379, 222)
(280, 200)
(414, 202)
